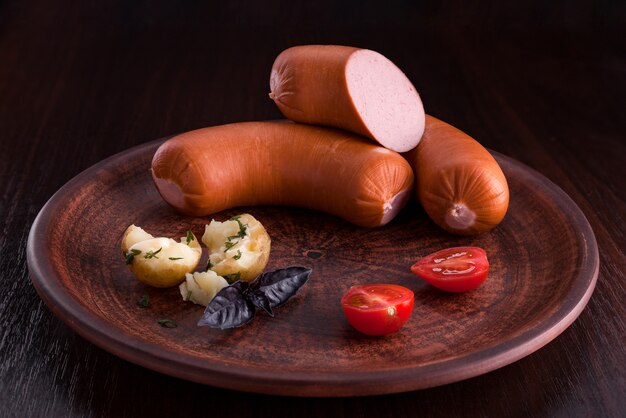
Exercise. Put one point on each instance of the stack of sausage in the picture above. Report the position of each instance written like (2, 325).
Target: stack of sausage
(360, 146)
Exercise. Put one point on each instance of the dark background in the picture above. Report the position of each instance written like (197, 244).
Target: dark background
(542, 82)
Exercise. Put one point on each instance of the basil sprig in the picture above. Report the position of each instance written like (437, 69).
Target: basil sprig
(235, 305)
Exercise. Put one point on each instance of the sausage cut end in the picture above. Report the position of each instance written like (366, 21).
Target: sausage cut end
(460, 217)
(394, 205)
(385, 99)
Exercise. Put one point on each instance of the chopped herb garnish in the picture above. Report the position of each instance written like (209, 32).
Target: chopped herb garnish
(167, 323)
(131, 256)
(209, 265)
(189, 237)
(174, 258)
(242, 233)
(152, 254)
(233, 277)
(144, 302)
(242, 229)
(238, 256)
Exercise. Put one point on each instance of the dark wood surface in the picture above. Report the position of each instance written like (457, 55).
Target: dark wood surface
(542, 83)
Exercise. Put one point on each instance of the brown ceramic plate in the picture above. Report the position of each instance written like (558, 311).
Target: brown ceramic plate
(544, 265)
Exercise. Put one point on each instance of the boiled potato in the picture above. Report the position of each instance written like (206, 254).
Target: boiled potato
(160, 262)
(238, 248)
(133, 235)
(201, 288)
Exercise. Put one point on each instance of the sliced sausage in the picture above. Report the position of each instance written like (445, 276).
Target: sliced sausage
(354, 89)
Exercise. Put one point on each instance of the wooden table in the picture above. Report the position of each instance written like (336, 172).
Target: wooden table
(543, 84)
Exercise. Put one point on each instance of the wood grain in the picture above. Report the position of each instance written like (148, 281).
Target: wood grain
(540, 82)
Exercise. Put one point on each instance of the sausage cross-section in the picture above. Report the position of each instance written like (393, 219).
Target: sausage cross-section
(273, 163)
(358, 90)
(458, 182)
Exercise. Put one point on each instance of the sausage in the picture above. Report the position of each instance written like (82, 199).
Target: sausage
(458, 182)
(350, 88)
(275, 163)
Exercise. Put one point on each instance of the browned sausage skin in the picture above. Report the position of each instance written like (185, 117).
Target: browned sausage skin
(459, 184)
(254, 163)
(350, 88)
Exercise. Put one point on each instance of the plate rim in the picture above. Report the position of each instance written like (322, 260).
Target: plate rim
(304, 383)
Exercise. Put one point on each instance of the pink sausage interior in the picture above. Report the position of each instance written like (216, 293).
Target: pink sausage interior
(386, 100)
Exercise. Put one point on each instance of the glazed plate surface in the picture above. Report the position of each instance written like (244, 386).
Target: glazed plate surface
(543, 258)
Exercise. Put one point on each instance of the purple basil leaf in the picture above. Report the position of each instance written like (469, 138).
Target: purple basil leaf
(259, 300)
(280, 285)
(241, 286)
(228, 309)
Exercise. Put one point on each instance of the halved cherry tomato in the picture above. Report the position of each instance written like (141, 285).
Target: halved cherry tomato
(377, 309)
(457, 269)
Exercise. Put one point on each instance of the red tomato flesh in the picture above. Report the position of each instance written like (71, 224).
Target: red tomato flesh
(377, 309)
(457, 269)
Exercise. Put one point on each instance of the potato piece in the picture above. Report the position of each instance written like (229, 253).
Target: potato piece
(132, 236)
(201, 288)
(238, 248)
(160, 262)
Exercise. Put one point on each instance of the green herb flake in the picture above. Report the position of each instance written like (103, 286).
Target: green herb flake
(167, 323)
(238, 256)
(209, 265)
(152, 254)
(228, 245)
(144, 302)
(242, 228)
(189, 237)
(231, 278)
(175, 258)
(131, 256)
